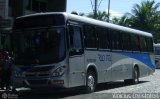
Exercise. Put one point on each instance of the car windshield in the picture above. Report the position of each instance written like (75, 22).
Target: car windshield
(43, 46)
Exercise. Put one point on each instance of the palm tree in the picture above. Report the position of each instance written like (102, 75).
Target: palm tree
(124, 21)
(101, 15)
(145, 15)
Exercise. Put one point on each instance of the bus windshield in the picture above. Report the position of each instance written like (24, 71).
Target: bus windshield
(43, 46)
(157, 50)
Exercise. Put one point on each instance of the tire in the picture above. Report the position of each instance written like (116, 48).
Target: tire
(90, 82)
(135, 76)
(135, 79)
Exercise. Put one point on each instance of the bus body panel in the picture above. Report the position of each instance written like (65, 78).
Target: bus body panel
(76, 71)
(102, 61)
(121, 66)
(144, 61)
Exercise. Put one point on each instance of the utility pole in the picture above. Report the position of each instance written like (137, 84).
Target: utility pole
(108, 10)
(95, 9)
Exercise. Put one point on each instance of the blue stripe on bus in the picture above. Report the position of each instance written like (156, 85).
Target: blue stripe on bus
(145, 58)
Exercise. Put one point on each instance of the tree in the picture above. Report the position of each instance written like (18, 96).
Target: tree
(124, 21)
(101, 15)
(146, 16)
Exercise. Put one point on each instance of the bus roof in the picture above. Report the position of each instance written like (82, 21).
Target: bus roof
(94, 22)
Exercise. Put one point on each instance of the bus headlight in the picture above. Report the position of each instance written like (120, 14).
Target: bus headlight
(59, 71)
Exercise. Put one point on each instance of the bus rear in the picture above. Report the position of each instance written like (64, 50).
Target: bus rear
(39, 51)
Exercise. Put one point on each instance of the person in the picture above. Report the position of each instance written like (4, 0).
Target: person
(6, 71)
(1, 59)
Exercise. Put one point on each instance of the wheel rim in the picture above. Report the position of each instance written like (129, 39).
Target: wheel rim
(91, 82)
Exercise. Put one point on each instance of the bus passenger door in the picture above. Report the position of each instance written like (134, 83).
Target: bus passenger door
(76, 56)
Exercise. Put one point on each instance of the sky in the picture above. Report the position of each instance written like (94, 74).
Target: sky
(117, 7)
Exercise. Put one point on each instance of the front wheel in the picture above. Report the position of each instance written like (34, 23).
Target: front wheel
(90, 82)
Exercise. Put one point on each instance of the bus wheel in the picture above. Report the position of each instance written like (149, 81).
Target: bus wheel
(135, 79)
(135, 76)
(90, 82)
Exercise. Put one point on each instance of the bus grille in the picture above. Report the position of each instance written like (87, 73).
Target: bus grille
(37, 72)
(40, 69)
(34, 74)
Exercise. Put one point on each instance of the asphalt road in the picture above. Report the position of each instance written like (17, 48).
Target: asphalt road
(148, 88)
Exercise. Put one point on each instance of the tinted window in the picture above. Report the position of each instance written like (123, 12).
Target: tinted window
(75, 40)
(116, 40)
(38, 46)
(143, 44)
(135, 42)
(150, 44)
(126, 41)
(39, 21)
(157, 50)
(90, 37)
(103, 38)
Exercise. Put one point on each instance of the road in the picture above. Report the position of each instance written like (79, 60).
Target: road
(148, 88)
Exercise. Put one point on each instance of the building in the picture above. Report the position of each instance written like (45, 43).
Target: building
(10, 9)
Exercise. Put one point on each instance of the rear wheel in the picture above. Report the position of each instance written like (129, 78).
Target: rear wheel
(90, 82)
(136, 76)
(135, 79)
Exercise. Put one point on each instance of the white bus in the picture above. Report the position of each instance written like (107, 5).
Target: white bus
(157, 55)
(64, 50)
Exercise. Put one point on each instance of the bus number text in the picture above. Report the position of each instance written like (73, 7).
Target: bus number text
(103, 57)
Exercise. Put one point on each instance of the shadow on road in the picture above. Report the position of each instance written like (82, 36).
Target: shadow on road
(54, 94)
(112, 85)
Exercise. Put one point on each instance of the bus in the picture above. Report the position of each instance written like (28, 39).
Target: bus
(157, 55)
(62, 50)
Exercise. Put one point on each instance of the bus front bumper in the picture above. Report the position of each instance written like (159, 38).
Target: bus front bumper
(39, 83)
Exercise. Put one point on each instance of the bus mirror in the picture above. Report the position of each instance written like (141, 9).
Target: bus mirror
(75, 52)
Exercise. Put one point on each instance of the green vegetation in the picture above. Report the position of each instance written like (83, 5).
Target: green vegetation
(144, 16)
(103, 16)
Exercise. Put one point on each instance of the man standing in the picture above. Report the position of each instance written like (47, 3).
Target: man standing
(6, 71)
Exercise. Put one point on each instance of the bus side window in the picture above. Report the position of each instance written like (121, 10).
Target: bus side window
(90, 36)
(143, 44)
(75, 40)
(150, 44)
(126, 41)
(116, 40)
(103, 38)
(135, 43)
